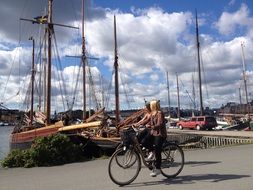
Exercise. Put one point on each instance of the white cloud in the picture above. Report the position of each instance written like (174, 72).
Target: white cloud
(154, 77)
(228, 22)
(140, 39)
(150, 42)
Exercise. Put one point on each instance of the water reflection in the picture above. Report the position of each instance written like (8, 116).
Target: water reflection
(4, 140)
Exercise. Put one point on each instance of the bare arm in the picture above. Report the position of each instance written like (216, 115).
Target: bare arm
(144, 120)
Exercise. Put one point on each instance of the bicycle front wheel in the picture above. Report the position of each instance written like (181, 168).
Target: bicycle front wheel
(124, 166)
(172, 160)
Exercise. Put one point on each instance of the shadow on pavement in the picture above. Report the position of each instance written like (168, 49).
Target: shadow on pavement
(191, 179)
(201, 163)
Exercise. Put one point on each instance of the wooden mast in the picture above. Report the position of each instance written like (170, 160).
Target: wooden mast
(84, 64)
(49, 35)
(168, 89)
(245, 79)
(50, 32)
(240, 96)
(193, 93)
(199, 68)
(117, 112)
(178, 99)
(32, 82)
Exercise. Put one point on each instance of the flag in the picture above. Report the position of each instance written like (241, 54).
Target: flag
(41, 19)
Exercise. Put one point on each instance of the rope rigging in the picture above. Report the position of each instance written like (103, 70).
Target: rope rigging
(193, 103)
(125, 87)
(76, 85)
(125, 91)
(62, 84)
(109, 90)
(98, 105)
(204, 73)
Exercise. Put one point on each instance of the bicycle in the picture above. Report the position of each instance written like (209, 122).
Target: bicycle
(125, 163)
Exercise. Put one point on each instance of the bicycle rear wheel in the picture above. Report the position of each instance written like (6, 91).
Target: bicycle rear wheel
(172, 160)
(124, 166)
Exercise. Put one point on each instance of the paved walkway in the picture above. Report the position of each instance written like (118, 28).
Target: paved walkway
(205, 169)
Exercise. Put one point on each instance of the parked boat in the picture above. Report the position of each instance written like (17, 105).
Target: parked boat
(100, 129)
(221, 123)
(36, 123)
(230, 121)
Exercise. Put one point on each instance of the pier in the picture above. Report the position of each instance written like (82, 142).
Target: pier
(209, 139)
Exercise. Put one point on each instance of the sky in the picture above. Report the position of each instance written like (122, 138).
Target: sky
(153, 37)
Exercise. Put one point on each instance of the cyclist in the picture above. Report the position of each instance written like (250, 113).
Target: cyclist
(144, 135)
(158, 134)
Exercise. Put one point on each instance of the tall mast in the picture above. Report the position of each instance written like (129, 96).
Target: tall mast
(178, 99)
(32, 82)
(49, 33)
(84, 64)
(244, 77)
(45, 75)
(193, 93)
(240, 96)
(199, 69)
(116, 74)
(168, 88)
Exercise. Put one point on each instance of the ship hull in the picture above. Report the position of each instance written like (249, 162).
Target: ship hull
(24, 139)
(106, 143)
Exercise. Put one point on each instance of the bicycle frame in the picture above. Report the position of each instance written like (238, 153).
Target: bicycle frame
(136, 146)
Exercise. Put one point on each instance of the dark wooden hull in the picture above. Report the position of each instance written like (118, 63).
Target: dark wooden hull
(106, 143)
(20, 145)
(24, 139)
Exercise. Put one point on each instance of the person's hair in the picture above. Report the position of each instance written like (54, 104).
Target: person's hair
(158, 105)
(148, 106)
(155, 105)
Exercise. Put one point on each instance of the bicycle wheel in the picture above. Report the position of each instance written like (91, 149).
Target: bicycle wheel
(172, 160)
(124, 166)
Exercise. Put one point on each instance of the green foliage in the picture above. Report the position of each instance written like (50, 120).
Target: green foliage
(15, 159)
(45, 151)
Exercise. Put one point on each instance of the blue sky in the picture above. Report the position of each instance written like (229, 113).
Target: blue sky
(153, 37)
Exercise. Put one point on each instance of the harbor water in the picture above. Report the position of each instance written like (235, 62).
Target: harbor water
(4, 140)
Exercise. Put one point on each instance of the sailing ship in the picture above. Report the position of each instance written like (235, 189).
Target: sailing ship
(239, 116)
(226, 121)
(38, 124)
(96, 129)
(106, 135)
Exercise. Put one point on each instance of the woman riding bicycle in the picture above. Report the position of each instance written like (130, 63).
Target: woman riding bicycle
(158, 134)
(125, 163)
(144, 135)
